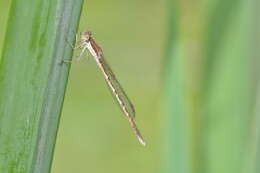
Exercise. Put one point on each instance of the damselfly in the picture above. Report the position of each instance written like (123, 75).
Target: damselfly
(87, 42)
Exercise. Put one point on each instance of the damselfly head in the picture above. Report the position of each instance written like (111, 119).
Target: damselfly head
(85, 35)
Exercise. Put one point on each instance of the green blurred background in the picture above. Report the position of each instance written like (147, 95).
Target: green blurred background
(192, 71)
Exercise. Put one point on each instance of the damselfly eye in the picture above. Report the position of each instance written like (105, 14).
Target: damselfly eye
(88, 33)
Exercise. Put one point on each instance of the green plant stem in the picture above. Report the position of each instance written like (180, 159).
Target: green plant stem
(33, 80)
